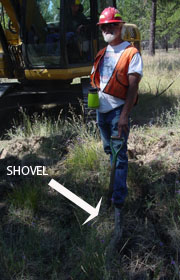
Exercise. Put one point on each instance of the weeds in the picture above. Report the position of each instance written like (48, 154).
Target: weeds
(26, 196)
(35, 126)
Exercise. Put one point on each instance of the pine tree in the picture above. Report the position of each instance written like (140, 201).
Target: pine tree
(153, 28)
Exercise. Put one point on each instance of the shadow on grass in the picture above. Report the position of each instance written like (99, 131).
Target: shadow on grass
(41, 233)
(150, 107)
(150, 240)
(33, 248)
(47, 241)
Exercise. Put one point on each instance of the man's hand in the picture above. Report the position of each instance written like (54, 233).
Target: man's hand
(80, 28)
(123, 125)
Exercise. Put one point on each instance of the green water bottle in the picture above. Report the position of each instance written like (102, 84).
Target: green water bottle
(93, 99)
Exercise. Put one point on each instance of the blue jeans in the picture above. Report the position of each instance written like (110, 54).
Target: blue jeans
(108, 125)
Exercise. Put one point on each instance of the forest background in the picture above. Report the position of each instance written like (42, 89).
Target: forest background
(157, 20)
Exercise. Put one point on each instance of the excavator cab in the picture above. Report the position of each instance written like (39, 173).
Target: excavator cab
(58, 34)
(48, 43)
(59, 37)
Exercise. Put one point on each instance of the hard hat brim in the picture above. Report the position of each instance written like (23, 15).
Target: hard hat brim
(111, 21)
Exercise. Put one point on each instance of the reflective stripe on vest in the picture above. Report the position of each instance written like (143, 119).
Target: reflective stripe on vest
(118, 83)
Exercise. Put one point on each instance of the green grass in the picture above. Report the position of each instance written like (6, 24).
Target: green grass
(41, 232)
(26, 196)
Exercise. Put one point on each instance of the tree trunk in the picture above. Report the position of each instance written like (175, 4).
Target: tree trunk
(167, 46)
(153, 28)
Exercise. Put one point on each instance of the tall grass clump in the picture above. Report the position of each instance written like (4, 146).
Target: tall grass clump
(26, 196)
(37, 125)
(84, 155)
(171, 118)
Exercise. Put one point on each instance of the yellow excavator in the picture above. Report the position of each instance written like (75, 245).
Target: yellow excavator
(44, 51)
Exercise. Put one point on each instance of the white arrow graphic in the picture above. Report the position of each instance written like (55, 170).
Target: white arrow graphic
(77, 200)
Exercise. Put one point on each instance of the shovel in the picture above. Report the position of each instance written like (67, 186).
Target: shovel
(113, 167)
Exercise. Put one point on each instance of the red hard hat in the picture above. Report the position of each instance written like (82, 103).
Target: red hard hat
(109, 15)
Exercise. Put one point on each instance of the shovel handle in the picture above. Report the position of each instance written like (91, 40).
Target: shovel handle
(113, 168)
(116, 138)
(111, 145)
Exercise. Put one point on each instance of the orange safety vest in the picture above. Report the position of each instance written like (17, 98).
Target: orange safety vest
(118, 84)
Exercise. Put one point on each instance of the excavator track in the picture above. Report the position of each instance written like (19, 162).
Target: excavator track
(15, 95)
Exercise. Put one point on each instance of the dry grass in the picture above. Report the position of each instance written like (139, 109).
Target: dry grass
(160, 71)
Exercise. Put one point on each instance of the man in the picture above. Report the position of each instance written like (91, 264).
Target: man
(78, 30)
(77, 25)
(116, 73)
(77, 21)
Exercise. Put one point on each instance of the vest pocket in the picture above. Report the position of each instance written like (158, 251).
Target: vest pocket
(120, 77)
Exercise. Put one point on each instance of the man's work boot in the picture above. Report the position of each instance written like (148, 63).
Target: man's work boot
(116, 238)
(118, 224)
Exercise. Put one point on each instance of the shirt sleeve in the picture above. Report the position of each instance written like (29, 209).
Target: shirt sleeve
(136, 65)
